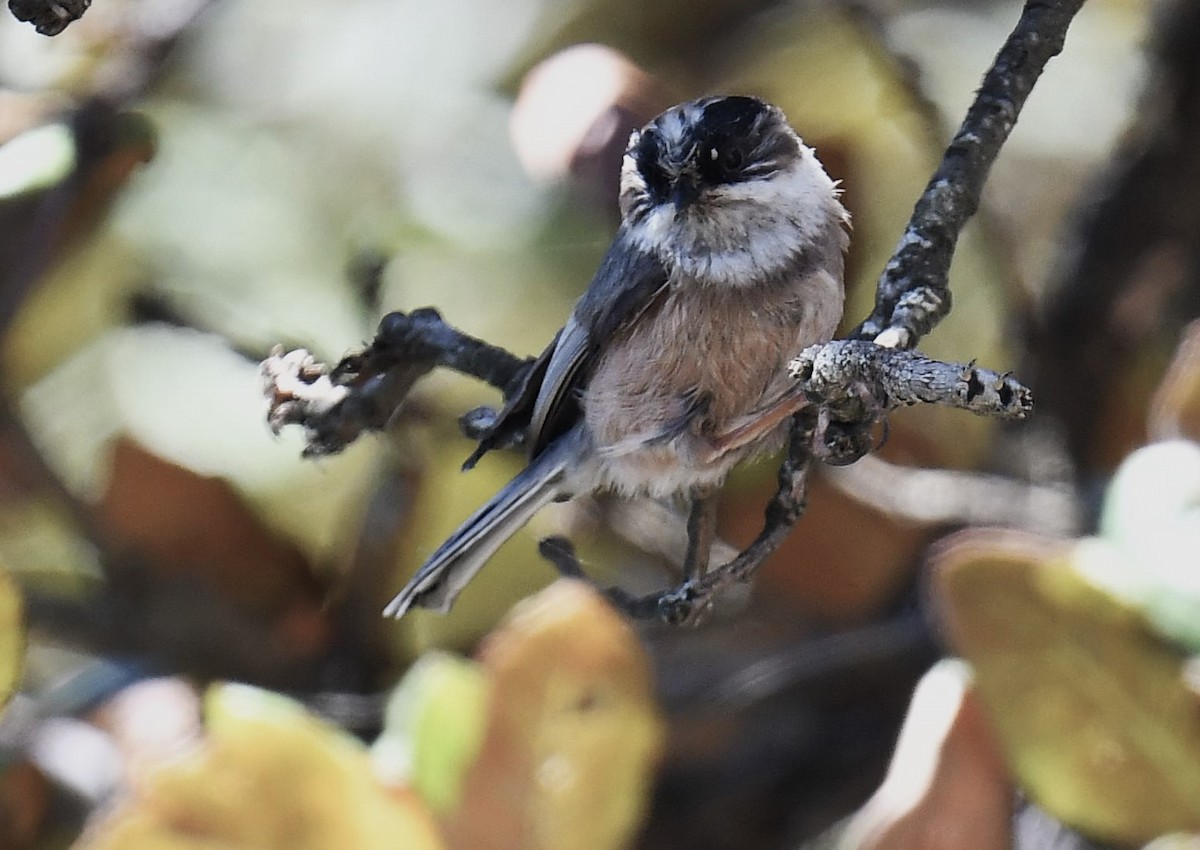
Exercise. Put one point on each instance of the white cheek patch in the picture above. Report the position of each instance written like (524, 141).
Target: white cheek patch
(803, 193)
(658, 228)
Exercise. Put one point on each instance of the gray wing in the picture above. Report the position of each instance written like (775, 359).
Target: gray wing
(626, 284)
(544, 403)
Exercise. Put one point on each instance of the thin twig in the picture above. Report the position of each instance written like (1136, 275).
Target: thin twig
(690, 601)
(364, 391)
(913, 294)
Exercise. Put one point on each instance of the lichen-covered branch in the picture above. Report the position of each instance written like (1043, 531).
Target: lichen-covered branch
(840, 370)
(913, 294)
(838, 376)
(366, 388)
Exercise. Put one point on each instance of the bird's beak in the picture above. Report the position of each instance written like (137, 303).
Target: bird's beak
(684, 190)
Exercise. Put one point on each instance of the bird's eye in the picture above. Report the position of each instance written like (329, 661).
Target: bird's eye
(722, 161)
(728, 158)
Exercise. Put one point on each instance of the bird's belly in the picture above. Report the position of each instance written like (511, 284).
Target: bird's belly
(672, 382)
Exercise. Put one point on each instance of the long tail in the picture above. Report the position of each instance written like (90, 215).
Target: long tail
(441, 578)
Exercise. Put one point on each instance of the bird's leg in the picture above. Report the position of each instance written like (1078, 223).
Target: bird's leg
(701, 531)
(559, 552)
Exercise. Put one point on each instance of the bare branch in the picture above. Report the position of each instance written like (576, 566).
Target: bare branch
(913, 294)
(364, 390)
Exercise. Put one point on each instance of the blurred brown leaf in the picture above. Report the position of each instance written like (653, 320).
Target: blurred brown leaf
(191, 526)
(1094, 712)
(1175, 409)
(947, 786)
(24, 797)
(573, 735)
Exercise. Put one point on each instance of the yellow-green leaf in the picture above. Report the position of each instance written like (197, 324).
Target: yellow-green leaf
(434, 727)
(1093, 709)
(271, 776)
(12, 638)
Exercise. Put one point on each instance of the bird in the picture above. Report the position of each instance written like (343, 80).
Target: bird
(671, 368)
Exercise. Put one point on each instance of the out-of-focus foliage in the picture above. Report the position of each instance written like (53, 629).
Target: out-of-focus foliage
(319, 164)
(268, 775)
(1082, 650)
(574, 733)
(1097, 715)
(1175, 410)
(549, 740)
(37, 159)
(947, 786)
(434, 727)
(24, 802)
(549, 743)
(12, 638)
(1151, 525)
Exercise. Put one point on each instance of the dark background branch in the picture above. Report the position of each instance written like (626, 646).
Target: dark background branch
(1129, 271)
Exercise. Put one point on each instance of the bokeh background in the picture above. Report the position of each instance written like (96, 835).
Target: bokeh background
(186, 183)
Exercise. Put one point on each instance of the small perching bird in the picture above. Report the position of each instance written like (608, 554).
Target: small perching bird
(673, 365)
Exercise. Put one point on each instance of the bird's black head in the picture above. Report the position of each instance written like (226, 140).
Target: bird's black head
(722, 191)
(709, 143)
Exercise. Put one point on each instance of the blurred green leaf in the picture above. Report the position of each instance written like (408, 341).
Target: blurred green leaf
(269, 776)
(434, 727)
(1151, 518)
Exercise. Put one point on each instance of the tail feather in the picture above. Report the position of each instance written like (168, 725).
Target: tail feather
(443, 576)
